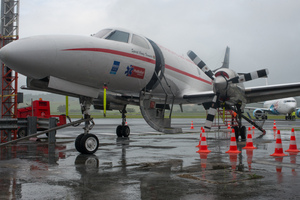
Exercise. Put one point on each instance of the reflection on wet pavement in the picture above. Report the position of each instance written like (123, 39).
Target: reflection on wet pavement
(150, 165)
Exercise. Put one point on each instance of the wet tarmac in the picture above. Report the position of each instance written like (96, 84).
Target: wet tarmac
(151, 165)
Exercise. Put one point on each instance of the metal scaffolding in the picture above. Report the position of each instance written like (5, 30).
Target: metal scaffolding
(9, 84)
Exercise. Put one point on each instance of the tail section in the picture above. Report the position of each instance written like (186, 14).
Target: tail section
(226, 58)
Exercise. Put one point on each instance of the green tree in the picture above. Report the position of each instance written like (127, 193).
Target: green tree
(61, 108)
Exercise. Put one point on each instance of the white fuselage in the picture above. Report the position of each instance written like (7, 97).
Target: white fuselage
(92, 62)
(281, 106)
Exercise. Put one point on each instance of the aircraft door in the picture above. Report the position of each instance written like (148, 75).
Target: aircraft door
(159, 67)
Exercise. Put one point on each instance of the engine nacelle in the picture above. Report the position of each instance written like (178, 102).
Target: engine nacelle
(259, 114)
(298, 113)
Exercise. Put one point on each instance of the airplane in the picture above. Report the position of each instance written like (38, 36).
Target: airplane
(116, 67)
(284, 106)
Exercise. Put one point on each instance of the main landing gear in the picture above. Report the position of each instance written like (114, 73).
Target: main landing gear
(123, 130)
(86, 143)
(239, 130)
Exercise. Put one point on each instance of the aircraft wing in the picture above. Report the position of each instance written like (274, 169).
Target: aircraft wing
(253, 94)
(199, 97)
(269, 92)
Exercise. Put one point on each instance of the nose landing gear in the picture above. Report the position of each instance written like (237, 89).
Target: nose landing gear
(86, 143)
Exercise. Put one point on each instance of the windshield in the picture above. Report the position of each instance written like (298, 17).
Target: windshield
(118, 36)
(102, 33)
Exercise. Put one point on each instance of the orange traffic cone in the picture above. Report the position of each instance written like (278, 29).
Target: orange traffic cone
(202, 133)
(228, 126)
(278, 146)
(126, 124)
(203, 147)
(249, 142)
(293, 145)
(192, 125)
(274, 125)
(233, 146)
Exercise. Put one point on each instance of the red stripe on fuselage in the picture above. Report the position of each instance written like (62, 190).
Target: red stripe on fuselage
(120, 53)
(130, 55)
(187, 74)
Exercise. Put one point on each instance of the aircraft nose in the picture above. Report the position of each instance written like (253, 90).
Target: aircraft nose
(27, 56)
(4, 54)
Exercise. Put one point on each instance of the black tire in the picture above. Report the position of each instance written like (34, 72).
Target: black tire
(89, 144)
(22, 132)
(119, 131)
(243, 133)
(77, 142)
(125, 131)
(236, 130)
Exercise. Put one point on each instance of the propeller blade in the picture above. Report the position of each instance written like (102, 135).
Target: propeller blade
(201, 64)
(211, 113)
(250, 76)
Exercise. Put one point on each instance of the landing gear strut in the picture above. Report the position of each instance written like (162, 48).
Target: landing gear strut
(86, 143)
(239, 130)
(123, 130)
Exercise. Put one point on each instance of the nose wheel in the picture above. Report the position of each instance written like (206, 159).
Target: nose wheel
(86, 143)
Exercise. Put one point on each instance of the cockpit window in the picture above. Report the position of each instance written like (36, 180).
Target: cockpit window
(102, 33)
(118, 36)
(139, 41)
(286, 101)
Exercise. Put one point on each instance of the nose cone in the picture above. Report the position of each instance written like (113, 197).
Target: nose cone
(28, 55)
(220, 84)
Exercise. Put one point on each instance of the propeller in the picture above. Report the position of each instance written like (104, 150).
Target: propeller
(220, 84)
(250, 76)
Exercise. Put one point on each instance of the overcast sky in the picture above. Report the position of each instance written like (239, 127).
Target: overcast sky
(260, 33)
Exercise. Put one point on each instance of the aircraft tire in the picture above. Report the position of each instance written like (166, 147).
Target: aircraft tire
(119, 131)
(243, 133)
(22, 132)
(77, 142)
(236, 131)
(126, 131)
(89, 144)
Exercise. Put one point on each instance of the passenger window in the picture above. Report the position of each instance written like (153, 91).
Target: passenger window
(139, 41)
(118, 36)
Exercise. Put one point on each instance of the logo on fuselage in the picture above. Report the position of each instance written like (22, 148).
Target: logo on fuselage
(135, 72)
(115, 67)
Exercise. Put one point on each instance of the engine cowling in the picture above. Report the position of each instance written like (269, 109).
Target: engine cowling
(298, 113)
(259, 114)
